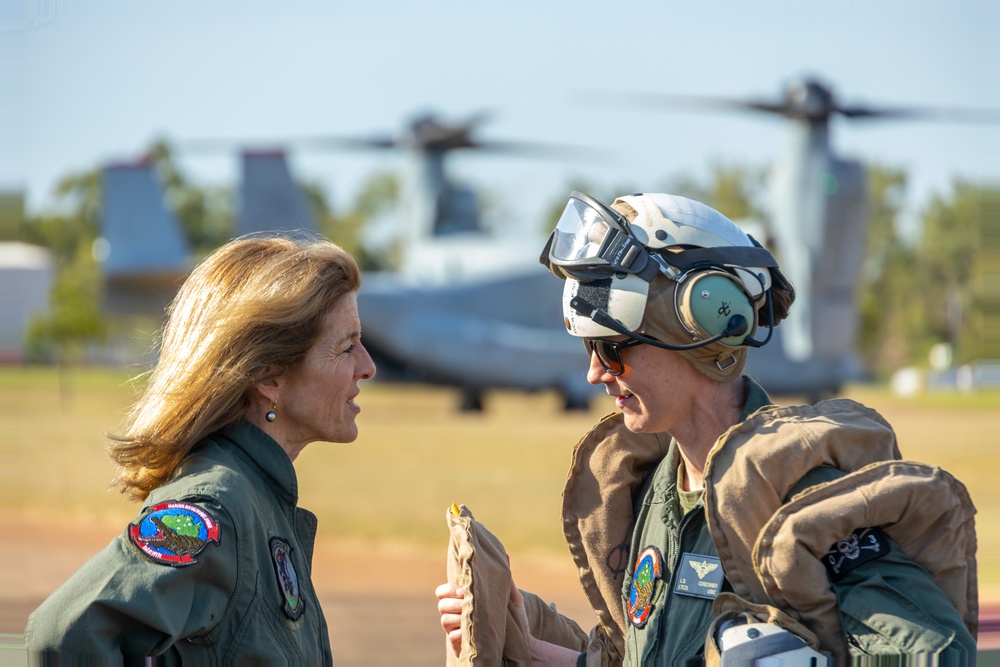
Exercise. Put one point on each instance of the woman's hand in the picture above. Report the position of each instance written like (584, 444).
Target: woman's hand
(450, 599)
(517, 601)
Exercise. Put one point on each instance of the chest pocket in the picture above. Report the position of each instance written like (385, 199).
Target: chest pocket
(263, 637)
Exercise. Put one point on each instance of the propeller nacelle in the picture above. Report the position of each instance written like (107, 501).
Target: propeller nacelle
(810, 100)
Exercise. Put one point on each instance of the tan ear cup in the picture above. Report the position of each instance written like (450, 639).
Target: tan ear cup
(706, 301)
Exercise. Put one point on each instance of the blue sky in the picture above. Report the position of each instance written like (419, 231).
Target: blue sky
(89, 82)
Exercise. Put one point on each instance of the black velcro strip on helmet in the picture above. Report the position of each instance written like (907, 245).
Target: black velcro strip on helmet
(597, 293)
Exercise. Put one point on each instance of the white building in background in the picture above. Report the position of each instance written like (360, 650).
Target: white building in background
(26, 274)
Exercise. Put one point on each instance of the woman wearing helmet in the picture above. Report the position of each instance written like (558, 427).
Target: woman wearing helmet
(698, 505)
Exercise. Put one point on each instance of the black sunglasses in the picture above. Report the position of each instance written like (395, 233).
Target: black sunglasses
(609, 352)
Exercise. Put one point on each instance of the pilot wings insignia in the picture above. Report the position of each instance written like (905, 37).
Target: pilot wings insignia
(702, 568)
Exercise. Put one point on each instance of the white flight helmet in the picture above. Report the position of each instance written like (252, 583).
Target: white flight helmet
(663, 220)
(610, 255)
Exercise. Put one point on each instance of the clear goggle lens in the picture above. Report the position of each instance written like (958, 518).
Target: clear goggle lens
(579, 234)
(591, 241)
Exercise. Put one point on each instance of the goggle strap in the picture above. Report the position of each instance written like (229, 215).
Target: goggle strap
(650, 271)
(622, 252)
(730, 256)
(544, 260)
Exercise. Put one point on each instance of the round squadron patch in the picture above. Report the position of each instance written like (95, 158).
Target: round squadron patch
(648, 569)
(288, 581)
(173, 533)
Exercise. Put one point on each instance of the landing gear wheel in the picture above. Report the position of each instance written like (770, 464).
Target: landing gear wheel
(575, 403)
(471, 400)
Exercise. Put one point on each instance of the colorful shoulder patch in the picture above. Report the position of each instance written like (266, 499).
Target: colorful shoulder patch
(288, 581)
(173, 533)
(648, 570)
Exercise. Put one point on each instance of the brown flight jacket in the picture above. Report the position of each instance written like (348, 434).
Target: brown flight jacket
(769, 535)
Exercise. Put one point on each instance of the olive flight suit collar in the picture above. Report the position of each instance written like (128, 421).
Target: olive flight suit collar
(262, 452)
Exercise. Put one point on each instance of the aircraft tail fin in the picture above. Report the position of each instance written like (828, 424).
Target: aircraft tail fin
(270, 200)
(144, 253)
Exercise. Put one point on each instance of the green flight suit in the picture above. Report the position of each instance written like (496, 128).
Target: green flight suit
(677, 624)
(216, 569)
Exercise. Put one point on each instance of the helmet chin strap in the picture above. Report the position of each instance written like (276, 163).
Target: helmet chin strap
(737, 326)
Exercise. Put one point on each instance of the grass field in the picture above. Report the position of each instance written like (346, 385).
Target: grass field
(417, 454)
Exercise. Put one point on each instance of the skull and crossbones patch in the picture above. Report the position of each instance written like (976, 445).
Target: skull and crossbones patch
(861, 546)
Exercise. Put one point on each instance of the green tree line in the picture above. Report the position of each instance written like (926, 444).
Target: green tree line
(943, 286)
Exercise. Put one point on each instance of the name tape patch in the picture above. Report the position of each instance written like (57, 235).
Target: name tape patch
(699, 576)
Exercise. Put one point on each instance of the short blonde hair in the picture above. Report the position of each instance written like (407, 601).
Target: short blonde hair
(251, 309)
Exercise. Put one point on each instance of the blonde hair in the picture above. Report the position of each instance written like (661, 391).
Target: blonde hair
(250, 310)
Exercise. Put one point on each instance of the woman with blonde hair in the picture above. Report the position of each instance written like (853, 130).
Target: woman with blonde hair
(261, 355)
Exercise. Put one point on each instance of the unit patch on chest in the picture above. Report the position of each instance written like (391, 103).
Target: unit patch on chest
(699, 576)
(648, 571)
(288, 581)
(173, 533)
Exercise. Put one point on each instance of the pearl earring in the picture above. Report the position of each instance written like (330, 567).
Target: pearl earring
(270, 415)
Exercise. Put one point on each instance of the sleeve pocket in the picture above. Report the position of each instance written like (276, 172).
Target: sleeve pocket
(879, 618)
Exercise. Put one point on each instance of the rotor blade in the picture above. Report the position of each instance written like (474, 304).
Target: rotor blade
(556, 151)
(336, 143)
(921, 113)
(220, 145)
(790, 109)
(666, 101)
(214, 145)
(784, 108)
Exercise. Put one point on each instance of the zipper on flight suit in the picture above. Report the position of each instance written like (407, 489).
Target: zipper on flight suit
(674, 540)
(674, 552)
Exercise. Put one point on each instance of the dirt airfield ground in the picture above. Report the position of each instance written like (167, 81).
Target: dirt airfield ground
(55, 511)
(379, 604)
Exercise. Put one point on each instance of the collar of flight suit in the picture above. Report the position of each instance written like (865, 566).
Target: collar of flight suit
(266, 455)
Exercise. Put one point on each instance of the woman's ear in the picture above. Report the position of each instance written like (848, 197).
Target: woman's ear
(269, 384)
